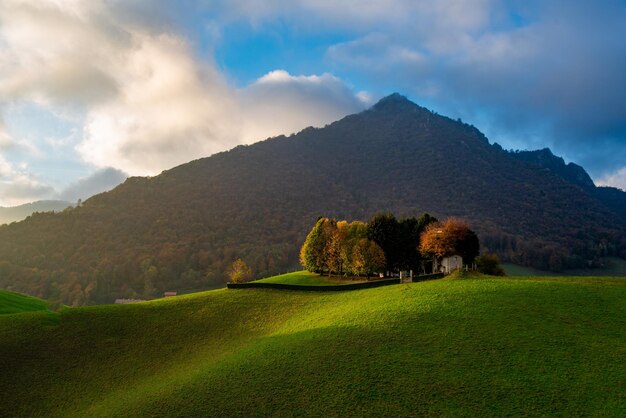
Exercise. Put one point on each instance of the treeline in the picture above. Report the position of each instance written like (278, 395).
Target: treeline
(84, 263)
(385, 244)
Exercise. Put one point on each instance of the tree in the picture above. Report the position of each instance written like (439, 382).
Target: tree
(355, 231)
(463, 240)
(452, 237)
(425, 220)
(434, 243)
(367, 257)
(321, 250)
(384, 230)
(239, 272)
(489, 264)
(312, 251)
(335, 233)
(410, 230)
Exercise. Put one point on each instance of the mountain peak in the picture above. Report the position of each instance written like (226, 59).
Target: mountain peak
(394, 101)
(545, 158)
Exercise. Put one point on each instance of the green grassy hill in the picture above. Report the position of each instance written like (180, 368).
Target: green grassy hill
(612, 267)
(11, 303)
(465, 347)
(308, 279)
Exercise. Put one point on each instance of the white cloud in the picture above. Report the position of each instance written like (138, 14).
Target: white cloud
(148, 103)
(281, 103)
(5, 169)
(18, 186)
(169, 110)
(5, 139)
(58, 53)
(377, 52)
(441, 19)
(100, 181)
(615, 179)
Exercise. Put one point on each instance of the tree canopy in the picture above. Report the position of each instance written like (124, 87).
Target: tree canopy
(239, 272)
(452, 237)
(384, 244)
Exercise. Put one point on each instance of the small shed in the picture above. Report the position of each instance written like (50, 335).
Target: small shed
(449, 264)
(169, 294)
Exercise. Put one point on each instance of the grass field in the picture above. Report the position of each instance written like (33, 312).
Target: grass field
(613, 266)
(517, 270)
(307, 278)
(11, 303)
(476, 346)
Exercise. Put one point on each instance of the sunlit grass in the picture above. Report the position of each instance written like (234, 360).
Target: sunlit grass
(464, 346)
(11, 303)
(310, 279)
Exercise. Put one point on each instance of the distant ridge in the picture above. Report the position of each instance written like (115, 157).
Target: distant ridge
(571, 172)
(183, 228)
(18, 213)
(611, 197)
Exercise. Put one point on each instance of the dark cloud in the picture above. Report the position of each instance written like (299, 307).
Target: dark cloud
(556, 72)
(98, 182)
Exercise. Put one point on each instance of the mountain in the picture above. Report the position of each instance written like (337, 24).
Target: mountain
(182, 229)
(17, 213)
(544, 158)
(613, 198)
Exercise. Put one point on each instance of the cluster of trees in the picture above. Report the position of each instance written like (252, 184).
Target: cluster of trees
(339, 247)
(385, 244)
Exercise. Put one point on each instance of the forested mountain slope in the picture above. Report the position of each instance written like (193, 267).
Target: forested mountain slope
(611, 197)
(181, 229)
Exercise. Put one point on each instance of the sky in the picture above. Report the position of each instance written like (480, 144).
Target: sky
(93, 91)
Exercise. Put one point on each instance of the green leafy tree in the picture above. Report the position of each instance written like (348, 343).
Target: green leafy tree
(239, 272)
(321, 250)
(489, 264)
(355, 231)
(335, 233)
(367, 257)
(410, 230)
(384, 230)
(468, 246)
(425, 220)
(312, 256)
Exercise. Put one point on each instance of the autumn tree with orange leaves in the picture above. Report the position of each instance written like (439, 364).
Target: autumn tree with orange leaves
(452, 237)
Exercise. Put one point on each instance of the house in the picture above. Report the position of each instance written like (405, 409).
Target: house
(449, 264)
(169, 294)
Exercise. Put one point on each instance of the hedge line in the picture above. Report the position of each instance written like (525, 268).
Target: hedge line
(425, 277)
(339, 287)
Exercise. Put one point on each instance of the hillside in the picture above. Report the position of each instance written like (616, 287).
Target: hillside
(611, 197)
(182, 229)
(12, 303)
(465, 347)
(17, 213)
